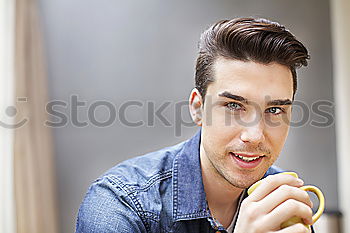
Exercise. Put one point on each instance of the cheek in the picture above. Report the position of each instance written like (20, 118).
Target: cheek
(218, 129)
(222, 119)
(277, 136)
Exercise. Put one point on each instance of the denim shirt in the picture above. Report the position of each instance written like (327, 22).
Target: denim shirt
(158, 192)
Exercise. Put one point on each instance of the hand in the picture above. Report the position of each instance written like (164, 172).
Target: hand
(276, 200)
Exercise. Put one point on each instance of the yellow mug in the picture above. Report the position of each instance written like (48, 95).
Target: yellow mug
(310, 188)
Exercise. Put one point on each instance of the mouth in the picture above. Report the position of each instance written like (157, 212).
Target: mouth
(247, 160)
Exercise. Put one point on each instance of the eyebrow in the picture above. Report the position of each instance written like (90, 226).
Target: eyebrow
(244, 100)
(280, 102)
(235, 97)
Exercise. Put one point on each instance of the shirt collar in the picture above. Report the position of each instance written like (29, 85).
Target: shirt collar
(189, 199)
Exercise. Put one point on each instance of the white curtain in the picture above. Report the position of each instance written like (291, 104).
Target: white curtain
(34, 173)
(27, 174)
(7, 205)
(340, 19)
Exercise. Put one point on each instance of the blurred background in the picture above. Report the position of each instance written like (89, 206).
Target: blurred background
(89, 57)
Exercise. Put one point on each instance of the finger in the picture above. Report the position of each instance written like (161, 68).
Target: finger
(272, 182)
(287, 210)
(281, 194)
(296, 228)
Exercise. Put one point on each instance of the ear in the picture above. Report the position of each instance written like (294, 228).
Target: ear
(196, 106)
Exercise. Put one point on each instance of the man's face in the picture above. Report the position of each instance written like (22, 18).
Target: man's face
(246, 113)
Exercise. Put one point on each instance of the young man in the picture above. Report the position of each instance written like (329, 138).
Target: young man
(245, 85)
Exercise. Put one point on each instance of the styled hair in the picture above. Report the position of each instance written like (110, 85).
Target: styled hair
(248, 39)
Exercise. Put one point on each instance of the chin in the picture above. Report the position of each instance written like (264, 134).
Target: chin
(243, 181)
(243, 184)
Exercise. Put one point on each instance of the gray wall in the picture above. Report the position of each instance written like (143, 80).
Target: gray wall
(145, 50)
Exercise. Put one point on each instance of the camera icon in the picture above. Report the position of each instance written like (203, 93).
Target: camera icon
(11, 112)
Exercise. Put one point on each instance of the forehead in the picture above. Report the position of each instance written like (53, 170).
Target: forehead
(251, 80)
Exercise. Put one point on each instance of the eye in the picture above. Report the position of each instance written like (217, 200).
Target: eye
(275, 110)
(233, 106)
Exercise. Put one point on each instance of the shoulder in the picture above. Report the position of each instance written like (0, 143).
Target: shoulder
(121, 198)
(106, 208)
(138, 171)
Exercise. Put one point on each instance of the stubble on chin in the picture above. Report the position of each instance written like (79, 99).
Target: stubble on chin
(243, 180)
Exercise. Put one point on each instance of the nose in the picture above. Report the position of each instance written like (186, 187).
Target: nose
(253, 134)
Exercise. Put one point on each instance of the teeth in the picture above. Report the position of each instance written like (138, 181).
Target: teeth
(247, 159)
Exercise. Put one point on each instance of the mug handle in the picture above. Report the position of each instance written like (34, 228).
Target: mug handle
(310, 188)
(321, 199)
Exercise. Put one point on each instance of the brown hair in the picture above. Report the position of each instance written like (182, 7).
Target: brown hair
(248, 39)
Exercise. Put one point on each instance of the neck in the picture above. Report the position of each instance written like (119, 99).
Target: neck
(222, 196)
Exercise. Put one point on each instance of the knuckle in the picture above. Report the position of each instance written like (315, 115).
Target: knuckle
(252, 212)
(305, 195)
(286, 188)
(305, 209)
(274, 178)
(295, 206)
(300, 194)
(268, 180)
(309, 212)
(291, 204)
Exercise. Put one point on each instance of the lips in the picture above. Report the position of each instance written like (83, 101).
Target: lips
(247, 160)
